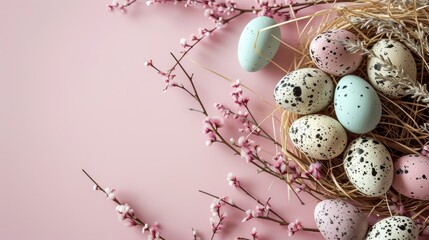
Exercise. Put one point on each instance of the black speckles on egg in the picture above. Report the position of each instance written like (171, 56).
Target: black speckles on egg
(337, 219)
(397, 227)
(400, 56)
(319, 136)
(304, 91)
(369, 166)
(331, 56)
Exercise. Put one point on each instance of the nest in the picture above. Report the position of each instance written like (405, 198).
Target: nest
(403, 127)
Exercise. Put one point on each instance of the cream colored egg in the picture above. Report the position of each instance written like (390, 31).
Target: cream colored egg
(318, 136)
(400, 56)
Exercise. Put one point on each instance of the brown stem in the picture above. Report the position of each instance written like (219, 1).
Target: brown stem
(257, 200)
(134, 218)
(280, 222)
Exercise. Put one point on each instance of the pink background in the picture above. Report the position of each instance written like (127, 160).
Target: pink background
(74, 94)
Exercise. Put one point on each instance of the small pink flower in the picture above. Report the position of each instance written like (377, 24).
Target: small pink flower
(280, 163)
(154, 232)
(249, 215)
(254, 233)
(293, 171)
(232, 180)
(237, 95)
(294, 227)
(145, 228)
(425, 150)
(110, 193)
(148, 63)
(249, 149)
(300, 188)
(313, 170)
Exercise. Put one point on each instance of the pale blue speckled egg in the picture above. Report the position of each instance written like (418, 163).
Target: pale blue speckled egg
(357, 105)
(254, 57)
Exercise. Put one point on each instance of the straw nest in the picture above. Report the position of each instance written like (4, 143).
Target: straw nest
(404, 125)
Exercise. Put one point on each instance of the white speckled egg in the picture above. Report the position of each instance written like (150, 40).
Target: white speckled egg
(369, 166)
(412, 176)
(330, 55)
(304, 91)
(250, 59)
(337, 219)
(357, 105)
(318, 136)
(400, 56)
(397, 227)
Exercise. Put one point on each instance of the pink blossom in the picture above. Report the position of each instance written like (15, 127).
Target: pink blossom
(313, 170)
(249, 149)
(300, 188)
(237, 95)
(232, 180)
(148, 63)
(145, 228)
(184, 43)
(154, 232)
(294, 227)
(262, 210)
(215, 121)
(425, 150)
(280, 163)
(222, 109)
(293, 171)
(249, 215)
(210, 125)
(110, 193)
(254, 233)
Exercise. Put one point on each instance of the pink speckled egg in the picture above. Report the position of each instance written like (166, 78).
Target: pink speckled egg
(330, 55)
(337, 219)
(412, 176)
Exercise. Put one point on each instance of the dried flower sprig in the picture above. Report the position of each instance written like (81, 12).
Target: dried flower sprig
(250, 215)
(398, 77)
(126, 213)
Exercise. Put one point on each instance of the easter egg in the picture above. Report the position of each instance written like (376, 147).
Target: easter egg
(330, 55)
(400, 56)
(304, 91)
(337, 219)
(254, 57)
(357, 105)
(318, 136)
(412, 176)
(397, 227)
(369, 166)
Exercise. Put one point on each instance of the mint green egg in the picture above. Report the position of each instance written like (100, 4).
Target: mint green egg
(250, 59)
(357, 105)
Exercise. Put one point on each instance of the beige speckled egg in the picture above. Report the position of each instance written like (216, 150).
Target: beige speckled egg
(400, 56)
(330, 55)
(397, 227)
(412, 176)
(304, 91)
(369, 166)
(337, 219)
(319, 136)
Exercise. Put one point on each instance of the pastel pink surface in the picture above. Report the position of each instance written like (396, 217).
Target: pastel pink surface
(74, 94)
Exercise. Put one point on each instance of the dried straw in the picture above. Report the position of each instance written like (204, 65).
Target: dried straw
(404, 124)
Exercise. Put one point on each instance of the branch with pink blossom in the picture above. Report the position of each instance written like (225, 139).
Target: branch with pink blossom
(126, 213)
